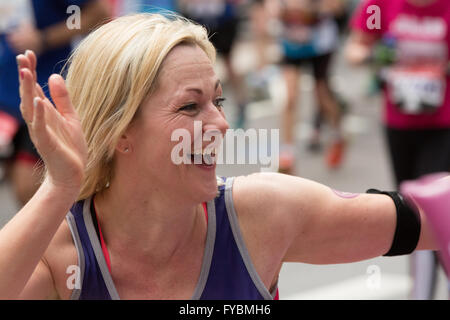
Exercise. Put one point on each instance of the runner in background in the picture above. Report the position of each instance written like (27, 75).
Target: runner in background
(310, 36)
(341, 16)
(38, 25)
(221, 18)
(264, 26)
(260, 16)
(409, 42)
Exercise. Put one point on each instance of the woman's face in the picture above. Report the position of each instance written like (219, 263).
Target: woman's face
(187, 91)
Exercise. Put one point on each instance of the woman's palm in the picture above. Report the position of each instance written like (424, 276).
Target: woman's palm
(56, 132)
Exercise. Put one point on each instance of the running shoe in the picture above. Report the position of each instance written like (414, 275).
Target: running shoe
(286, 160)
(335, 154)
(315, 144)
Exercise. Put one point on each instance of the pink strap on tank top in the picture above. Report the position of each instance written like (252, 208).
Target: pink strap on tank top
(103, 244)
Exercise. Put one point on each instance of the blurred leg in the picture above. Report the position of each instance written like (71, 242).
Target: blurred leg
(403, 154)
(258, 21)
(25, 180)
(238, 85)
(424, 273)
(23, 172)
(328, 103)
(292, 79)
(224, 38)
(314, 142)
(330, 109)
(434, 155)
(325, 97)
(287, 151)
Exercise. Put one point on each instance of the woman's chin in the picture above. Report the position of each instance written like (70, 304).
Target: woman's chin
(207, 191)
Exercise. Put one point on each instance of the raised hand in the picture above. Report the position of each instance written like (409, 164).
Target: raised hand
(431, 193)
(56, 132)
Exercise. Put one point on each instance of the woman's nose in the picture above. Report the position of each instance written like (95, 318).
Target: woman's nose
(215, 121)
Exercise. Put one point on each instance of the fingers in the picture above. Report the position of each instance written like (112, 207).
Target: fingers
(40, 93)
(28, 61)
(38, 123)
(40, 132)
(29, 88)
(32, 59)
(33, 97)
(33, 62)
(27, 95)
(22, 63)
(60, 96)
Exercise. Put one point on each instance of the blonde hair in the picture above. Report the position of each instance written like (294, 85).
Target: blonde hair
(110, 74)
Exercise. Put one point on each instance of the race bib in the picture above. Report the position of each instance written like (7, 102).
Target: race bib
(416, 90)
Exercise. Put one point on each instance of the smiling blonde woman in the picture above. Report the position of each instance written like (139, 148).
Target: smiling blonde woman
(134, 225)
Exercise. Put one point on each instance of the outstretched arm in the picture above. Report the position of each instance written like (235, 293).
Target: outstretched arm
(318, 225)
(57, 135)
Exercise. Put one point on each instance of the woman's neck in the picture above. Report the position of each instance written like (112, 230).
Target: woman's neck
(147, 223)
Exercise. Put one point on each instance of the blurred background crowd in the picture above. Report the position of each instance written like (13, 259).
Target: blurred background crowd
(358, 89)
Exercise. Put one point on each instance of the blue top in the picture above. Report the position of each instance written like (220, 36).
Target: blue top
(303, 41)
(43, 13)
(227, 271)
(150, 6)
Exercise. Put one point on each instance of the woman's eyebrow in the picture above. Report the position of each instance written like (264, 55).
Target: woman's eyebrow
(199, 91)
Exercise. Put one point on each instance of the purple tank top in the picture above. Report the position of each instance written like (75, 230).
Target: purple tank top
(227, 272)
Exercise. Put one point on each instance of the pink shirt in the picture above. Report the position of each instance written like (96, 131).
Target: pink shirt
(422, 42)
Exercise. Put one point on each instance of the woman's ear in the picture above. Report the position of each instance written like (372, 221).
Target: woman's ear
(123, 145)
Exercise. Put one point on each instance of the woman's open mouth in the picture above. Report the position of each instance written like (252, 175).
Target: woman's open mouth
(205, 159)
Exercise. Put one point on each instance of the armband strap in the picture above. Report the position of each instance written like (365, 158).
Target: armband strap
(407, 230)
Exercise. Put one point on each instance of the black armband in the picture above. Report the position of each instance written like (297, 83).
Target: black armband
(407, 230)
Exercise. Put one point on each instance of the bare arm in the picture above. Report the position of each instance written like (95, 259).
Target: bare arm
(56, 133)
(341, 229)
(359, 47)
(25, 238)
(58, 35)
(315, 225)
(92, 15)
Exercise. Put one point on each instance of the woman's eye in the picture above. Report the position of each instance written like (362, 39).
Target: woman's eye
(188, 107)
(219, 102)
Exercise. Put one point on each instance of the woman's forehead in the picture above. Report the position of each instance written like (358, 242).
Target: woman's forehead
(183, 56)
(185, 64)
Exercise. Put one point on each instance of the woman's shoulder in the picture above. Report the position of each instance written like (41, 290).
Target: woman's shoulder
(259, 209)
(256, 194)
(257, 180)
(262, 185)
(271, 196)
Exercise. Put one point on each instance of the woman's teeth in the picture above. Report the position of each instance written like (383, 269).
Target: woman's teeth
(206, 157)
